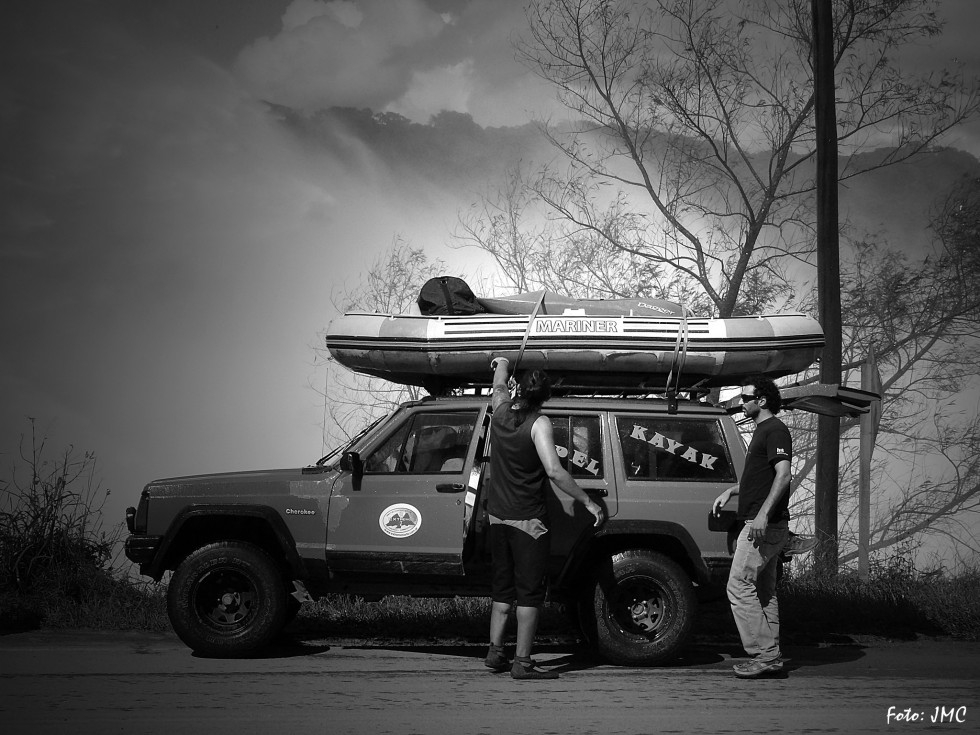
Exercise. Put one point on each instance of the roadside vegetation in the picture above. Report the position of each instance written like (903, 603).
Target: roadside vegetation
(814, 610)
(895, 602)
(60, 568)
(57, 560)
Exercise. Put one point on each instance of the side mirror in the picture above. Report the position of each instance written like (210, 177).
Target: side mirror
(351, 462)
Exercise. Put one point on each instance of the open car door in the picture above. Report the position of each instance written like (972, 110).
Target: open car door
(400, 507)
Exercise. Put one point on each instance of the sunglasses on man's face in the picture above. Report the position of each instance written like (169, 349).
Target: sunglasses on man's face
(746, 398)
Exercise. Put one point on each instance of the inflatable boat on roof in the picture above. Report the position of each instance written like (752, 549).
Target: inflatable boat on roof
(596, 352)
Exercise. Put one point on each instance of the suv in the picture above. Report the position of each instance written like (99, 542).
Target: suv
(400, 511)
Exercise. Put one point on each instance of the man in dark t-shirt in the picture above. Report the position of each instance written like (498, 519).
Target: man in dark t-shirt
(522, 461)
(763, 505)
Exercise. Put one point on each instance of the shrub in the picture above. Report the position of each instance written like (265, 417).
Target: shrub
(55, 557)
(952, 603)
(895, 601)
(50, 523)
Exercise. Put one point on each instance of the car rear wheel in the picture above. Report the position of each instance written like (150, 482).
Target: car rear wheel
(227, 599)
(642, 607)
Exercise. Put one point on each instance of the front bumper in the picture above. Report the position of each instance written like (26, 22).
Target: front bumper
(141, 549)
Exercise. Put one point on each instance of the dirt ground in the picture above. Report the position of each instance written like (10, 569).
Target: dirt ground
(97, 682)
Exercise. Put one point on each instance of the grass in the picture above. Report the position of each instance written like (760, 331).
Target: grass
(95, 599)
(889, 604)
(403, 619)
(814, 610)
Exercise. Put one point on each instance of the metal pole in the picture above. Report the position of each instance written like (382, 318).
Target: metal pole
(864, 494)
(870, 381)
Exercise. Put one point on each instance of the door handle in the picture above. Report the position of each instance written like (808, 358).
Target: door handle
(450, 487)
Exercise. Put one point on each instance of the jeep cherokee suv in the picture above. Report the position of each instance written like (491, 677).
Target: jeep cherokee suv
(400, 511)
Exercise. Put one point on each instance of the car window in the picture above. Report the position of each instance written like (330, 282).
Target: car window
(425, 444)
(578, 442)
(387, 457)
(657, 448)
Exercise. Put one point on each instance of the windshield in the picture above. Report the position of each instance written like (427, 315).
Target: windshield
(324, 460)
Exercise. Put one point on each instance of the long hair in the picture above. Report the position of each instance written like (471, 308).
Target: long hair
(533, 389)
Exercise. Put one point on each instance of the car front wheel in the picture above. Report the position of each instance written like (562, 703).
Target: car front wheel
(227, 599)
(643, 607)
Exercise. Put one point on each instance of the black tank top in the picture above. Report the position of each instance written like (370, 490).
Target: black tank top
(517, 478)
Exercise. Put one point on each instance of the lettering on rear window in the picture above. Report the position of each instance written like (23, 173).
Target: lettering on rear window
(656, 448)
(578, 443)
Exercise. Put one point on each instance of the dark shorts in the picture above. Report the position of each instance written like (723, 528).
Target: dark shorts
(520, 566)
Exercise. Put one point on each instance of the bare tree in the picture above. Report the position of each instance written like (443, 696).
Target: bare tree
(391, 286)
(923, 318)
(533, 253)
(701, 113)
(51, 532)
(693, 143)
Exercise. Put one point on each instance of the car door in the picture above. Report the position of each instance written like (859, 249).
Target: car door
(673, 467)
(402, 509)
(579, 442)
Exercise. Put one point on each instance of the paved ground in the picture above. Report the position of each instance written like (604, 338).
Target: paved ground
(94, 682)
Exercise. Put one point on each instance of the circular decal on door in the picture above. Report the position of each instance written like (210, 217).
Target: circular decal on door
(400, 520)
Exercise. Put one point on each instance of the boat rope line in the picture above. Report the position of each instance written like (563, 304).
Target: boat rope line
(527, 332)
(680, 356)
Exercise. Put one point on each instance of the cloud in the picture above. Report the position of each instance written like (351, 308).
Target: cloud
(168, 249)
(398, 57)
(339, 53)
(442, 88)
(301, 12)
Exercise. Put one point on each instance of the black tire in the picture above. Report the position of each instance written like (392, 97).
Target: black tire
(227, 599)
(642, 609)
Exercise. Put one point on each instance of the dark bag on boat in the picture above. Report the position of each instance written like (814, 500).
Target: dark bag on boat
(448, 295)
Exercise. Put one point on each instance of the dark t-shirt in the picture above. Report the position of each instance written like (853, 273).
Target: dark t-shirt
(771, 443)
(517, 477)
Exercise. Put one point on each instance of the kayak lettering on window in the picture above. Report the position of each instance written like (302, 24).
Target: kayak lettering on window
(578, 443)
(659, 441)
(674, 449)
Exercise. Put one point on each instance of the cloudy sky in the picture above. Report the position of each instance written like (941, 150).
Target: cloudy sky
(169, 251)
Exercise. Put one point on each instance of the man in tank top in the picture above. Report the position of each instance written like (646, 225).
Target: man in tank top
(522, 461)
